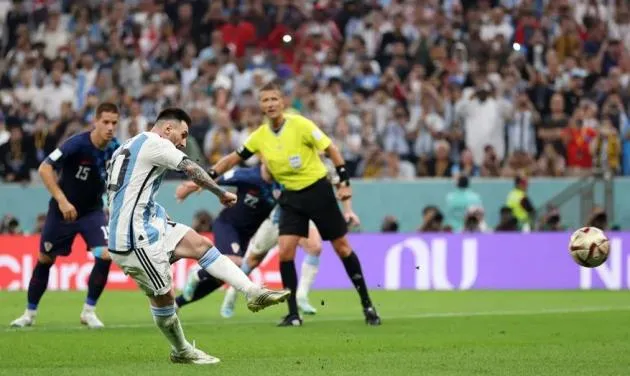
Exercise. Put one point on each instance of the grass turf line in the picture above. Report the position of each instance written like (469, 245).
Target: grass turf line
(424, 333)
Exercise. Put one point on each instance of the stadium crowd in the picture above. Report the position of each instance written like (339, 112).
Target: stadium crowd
(406, 88)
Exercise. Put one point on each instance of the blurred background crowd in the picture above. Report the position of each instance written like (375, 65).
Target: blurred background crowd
(406, 88)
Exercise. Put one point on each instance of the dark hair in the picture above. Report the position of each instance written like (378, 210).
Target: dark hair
(519, 180)
(174, 113)
(429, 208)
(106, 107)
(271, 86)
(463, 182)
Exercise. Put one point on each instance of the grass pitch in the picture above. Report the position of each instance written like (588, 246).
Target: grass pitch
(423, 333)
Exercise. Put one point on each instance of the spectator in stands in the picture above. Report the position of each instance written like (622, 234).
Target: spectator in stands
(452, 69)
(551, 220)
(521, 133)
(598, 219)
(16, 157)
(491, 164)
(5, 135)
(458, 202)
(552, 126)
(578, 140)
(432, 219)
(484, 118)
(390, 224)
(507, 221)
(474, 220)
(10, 226)
(519, 163)
(607, 147)
(551, 163)
(39, 223)
(440, 165)
(466, 165)
(202, 221)
(222, 139)
(44, 140)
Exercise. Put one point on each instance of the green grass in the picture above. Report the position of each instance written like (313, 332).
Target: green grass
(423, 333)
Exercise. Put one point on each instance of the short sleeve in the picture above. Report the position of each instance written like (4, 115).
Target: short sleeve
(315, 136)
(67, 149)
(251, 143)
(249, 147)
(162, 153)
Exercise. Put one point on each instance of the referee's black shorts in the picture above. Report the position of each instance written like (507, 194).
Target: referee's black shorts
(318, 203)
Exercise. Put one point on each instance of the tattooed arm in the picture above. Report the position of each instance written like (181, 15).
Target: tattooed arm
(197, 174)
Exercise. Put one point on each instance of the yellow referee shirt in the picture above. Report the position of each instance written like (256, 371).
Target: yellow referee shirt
(292, 154)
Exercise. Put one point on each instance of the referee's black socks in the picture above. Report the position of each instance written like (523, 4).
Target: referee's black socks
(290, 281)
(353, 268)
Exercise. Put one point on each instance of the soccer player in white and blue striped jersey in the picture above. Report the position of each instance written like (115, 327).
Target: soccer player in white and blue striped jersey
(144, 243)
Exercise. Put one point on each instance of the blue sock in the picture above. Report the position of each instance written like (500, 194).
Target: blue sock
(209, 257)
(312, 260)
(245, 267)
(163, 311)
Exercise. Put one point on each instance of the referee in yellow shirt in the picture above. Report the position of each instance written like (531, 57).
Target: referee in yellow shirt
(290, 145)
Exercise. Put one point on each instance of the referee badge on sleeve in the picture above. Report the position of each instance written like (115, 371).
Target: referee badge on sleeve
(317, 134)
(295, 161)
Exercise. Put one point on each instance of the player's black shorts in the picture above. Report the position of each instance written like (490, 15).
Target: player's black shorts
(58, 234)
(316, 202)
(230, 240)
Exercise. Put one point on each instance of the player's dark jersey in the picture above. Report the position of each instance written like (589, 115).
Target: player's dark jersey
(80, 166)
(255, 199)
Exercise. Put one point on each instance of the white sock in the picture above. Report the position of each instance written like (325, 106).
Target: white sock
(32, 313)
(310, 267)
(230, 296)
(166, 319)
(88, 308)
(223, 268)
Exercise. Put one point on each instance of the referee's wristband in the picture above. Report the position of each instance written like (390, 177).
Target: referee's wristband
(344, 178)
(213, 174)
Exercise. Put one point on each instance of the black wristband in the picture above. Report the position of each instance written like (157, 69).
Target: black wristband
(213, 174)
(343, 175)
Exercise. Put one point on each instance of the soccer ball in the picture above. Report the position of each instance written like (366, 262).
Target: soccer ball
(589, 247)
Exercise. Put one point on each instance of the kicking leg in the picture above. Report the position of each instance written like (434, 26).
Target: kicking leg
(353, 267)
(36, 289)
(195, 246)
(310, 266)
(265, 238)
(96, 285)
(250, 262)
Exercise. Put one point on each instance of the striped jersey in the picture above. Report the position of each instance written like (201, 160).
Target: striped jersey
(134, 177)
